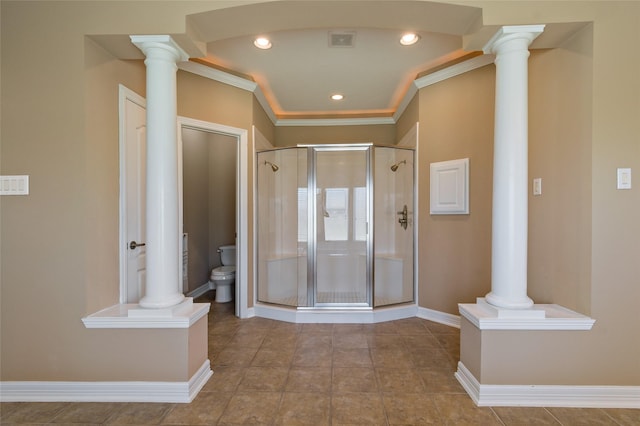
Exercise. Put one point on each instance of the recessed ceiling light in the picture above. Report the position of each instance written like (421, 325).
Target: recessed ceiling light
(409, 38)
(262, 43)
(337, 97)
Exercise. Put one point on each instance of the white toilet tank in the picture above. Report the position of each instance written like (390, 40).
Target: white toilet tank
(227, 255)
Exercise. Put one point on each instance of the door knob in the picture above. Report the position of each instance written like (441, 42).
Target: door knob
(133, 245)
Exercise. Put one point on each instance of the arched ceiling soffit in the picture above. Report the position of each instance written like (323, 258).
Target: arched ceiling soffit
(302, 70)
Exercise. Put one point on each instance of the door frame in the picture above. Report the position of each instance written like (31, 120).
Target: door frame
(242, 201)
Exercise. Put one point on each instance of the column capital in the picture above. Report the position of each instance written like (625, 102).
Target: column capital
(528, 33)
(148, 42)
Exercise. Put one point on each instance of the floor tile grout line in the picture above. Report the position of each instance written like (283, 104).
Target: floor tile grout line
(553, 416)
(495, 414)
(609, 416)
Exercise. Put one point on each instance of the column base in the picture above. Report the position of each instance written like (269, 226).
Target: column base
(167, 302)
(168, 312)
(504, 303)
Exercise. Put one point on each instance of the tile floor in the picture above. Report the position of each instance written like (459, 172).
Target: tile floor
(273, 373)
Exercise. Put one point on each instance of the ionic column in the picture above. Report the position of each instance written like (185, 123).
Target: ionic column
(162, 227)
(510, 167)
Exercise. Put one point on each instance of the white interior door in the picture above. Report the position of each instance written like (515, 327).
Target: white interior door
(133, 196)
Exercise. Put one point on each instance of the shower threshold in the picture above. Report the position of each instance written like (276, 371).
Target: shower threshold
(336, 314)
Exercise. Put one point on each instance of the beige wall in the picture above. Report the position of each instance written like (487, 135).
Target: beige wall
(560, 154)
(222, 194)
(209, 199)
(409, 117)
(195, 203)
(208, 100)
(262, 122)
(456, 121)
(383, 134)
(59, 125)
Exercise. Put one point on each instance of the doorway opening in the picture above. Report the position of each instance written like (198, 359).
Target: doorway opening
(223, 152)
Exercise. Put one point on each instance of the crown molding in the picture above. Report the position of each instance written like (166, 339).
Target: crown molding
(454, 70)
(218, 75)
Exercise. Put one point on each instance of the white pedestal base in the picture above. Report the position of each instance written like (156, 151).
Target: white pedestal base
(538, 317)
(183, 315)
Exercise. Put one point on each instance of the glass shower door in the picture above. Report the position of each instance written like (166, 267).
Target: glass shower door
(394, 227)
(282, 226)
(340, 226)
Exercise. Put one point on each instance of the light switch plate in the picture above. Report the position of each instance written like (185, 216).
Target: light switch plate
(537, 186)
(14, 185)
(624, 178)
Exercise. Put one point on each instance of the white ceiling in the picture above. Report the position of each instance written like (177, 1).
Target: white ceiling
(300, 72)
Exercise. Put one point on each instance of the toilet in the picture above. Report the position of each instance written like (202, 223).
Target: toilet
(224, 276)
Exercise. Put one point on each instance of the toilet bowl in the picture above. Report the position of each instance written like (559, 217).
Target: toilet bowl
(224, 276)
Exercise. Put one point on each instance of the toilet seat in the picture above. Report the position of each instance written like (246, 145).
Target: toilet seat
(223, 272)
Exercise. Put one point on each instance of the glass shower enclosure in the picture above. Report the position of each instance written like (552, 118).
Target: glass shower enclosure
(335, 226)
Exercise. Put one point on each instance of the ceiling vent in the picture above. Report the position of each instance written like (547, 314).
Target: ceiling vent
(342, 38)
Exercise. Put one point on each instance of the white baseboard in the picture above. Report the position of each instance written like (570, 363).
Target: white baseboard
(439, 317)
(202, 289)
(547, 395)
(175, 392)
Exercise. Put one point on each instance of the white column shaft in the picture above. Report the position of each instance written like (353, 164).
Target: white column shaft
(510, 170)
(162, 218)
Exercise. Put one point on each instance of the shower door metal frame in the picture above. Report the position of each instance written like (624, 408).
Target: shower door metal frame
(312, 151)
